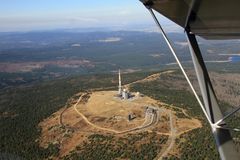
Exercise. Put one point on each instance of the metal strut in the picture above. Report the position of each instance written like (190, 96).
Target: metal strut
(225, 145)
(179, 63)
(210, 108)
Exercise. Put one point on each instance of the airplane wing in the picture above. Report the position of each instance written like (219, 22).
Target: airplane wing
(210, 19)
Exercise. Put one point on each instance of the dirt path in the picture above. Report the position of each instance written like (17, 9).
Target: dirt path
(90, 123)
(171, 139)
(150, 78)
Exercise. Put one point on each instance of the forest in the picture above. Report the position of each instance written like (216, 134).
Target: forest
(131, 146)
(23, 107)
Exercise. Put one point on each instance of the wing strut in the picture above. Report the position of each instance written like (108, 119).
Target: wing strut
(222, 136)
(211, 110)
(179, 63)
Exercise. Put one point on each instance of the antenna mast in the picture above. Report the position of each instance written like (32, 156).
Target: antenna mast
(119, 83)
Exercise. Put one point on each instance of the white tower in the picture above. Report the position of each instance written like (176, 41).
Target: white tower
(119, 83)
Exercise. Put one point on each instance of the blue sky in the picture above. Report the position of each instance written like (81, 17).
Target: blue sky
(24, 15)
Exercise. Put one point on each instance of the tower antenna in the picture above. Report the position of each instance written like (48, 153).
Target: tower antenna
(119, 83)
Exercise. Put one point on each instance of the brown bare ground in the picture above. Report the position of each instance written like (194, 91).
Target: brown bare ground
(112, 110)
(105, 111)
(185, 125)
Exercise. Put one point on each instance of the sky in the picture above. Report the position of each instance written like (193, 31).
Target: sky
(26, 15)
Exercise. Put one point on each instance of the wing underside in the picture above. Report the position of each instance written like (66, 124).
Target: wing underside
(210, 19)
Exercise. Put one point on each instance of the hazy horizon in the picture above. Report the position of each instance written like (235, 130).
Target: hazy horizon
(30, 15)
